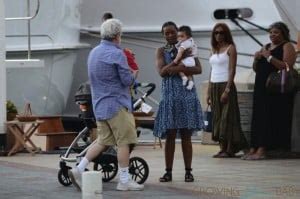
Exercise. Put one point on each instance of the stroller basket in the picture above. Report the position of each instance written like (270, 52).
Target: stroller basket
(83, 94)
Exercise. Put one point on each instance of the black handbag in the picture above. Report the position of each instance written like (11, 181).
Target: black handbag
(207, 116)
(282, 81)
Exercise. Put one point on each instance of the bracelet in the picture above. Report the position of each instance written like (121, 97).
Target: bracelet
(269, 58)
(227, 90)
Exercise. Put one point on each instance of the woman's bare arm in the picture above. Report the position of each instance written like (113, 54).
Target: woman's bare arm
(257, 56)
(232, 65)
(171, 68)
(161, 66)
(187, 70)
(289, 56)
(208, 97)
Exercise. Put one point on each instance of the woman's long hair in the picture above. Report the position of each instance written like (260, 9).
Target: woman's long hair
(227, 36)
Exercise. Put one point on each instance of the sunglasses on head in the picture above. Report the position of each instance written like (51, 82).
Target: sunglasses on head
(219, 32)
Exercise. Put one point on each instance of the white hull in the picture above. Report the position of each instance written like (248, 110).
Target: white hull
(2, 74)
(46, 88)
(143, 25)
(148, 16)
(55, 41)
(289, 12)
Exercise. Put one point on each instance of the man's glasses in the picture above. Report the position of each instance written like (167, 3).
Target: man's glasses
(219, 32)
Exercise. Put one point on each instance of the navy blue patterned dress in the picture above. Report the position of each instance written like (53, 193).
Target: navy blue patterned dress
(179, 107)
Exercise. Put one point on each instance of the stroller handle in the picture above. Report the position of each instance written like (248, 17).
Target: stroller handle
(151, 87)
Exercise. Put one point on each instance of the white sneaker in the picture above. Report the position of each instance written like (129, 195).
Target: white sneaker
(75, 177)
(130, 186)
(190, 85)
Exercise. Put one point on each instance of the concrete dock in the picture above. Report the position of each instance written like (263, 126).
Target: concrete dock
(33, 177)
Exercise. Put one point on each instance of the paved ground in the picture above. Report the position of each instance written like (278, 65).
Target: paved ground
(32, 182)
(34, 177)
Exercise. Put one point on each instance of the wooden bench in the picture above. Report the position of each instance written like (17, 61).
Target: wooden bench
(52, 128)
(56, 140)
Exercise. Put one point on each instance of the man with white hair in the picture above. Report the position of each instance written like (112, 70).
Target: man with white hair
(110, 80)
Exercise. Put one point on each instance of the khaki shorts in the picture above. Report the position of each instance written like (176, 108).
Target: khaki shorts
(119, 130)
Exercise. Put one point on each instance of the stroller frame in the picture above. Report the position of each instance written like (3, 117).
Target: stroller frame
(106, 162)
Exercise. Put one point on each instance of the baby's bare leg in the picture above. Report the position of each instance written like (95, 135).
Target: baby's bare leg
(184, 78)
(182, 74)
(191, 82)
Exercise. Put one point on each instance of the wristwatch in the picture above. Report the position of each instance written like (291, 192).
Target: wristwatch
(227, 90)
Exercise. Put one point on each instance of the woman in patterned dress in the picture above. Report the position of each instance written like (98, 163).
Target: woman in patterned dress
(179, 109)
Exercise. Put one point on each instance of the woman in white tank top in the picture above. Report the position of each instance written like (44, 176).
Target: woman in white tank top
(222, 94)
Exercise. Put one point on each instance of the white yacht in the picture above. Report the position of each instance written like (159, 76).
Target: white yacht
(143, 19)
(47, 41)
(40, 67)
(54, 40)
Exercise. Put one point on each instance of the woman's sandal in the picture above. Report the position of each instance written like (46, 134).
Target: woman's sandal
(256, 157)
(217, 154)
(224, 155)
(244, 157)
(188, 176)
(167, 177)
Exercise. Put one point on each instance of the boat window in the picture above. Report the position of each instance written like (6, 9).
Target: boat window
(233, 13)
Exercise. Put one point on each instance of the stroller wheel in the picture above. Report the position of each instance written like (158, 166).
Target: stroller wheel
(139, 170)
(108, 165)
(64, 178)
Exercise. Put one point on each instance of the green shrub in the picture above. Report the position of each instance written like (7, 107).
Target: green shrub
(10, 107)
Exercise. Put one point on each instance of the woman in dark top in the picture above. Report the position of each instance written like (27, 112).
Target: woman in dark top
(179, 109)
(272, 113)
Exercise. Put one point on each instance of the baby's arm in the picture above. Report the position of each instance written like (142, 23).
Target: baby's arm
(179, 55)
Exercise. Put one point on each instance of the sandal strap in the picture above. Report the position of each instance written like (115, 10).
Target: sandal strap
(189, 177)
(188, 169)
(166, 177)
(168, 170)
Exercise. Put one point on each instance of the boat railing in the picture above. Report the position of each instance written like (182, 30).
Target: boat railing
(207, 50)
(150, 41)
(138, 38)
(28, 18)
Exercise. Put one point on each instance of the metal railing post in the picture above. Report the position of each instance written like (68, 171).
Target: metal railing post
(28, 31)
(28, 18)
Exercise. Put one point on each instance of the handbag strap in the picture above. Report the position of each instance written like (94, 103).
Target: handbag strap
(287, 66)
(283, 76)
(282, 82)
(207, 107)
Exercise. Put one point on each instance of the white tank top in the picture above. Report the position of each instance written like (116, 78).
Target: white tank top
(219, 67)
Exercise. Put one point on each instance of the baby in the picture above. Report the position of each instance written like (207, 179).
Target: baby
(185, 41)
(133, 66)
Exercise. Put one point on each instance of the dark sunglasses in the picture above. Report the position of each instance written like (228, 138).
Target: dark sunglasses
(219, 32)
